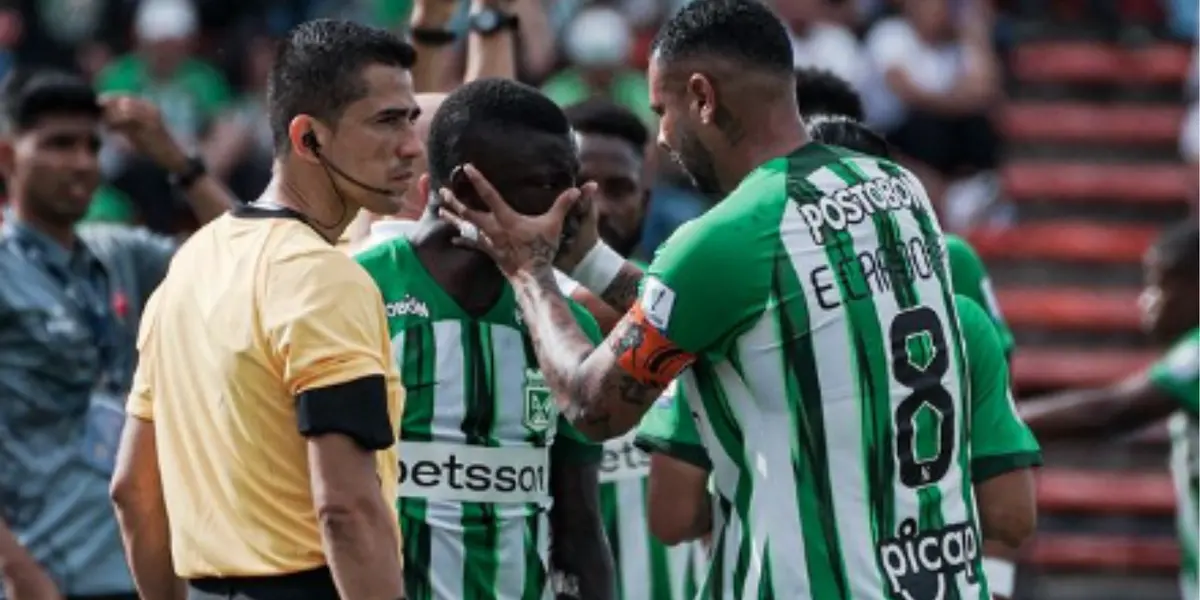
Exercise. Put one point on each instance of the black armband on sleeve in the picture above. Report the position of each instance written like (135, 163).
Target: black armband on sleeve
(357, 408)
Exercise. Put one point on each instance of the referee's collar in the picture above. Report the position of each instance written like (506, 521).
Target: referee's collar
(260, 210)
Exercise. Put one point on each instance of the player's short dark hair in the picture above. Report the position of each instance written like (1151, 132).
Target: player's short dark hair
(600, 116)
(840, 130)
(1178, 251)
(819, 91)
(318, 70)
(28, 96)
(473, 117)
(742, 30)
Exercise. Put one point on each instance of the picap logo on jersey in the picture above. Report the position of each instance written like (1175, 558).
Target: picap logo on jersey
(409, 305)
(539, 404)
(922, 565)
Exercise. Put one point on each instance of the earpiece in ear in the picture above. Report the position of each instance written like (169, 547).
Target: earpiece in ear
(310, 141)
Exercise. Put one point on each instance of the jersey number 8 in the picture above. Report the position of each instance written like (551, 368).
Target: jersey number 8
(925, 385)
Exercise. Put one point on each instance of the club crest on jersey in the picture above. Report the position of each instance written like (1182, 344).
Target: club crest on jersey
(539, 404)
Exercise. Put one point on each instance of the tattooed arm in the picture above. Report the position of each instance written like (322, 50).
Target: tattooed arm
(623, 291)
(580, 559)
(609, 386)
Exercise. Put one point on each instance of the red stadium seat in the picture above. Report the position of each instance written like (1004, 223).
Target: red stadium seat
(1045, 369)
(1091, 123)
(1103, 552)
(1084, 62)
(1064, 241)
(1070, 309)
(1081, 182)
(1105, 492)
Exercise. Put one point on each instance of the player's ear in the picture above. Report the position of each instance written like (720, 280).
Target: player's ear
(703, 97)
(303, 131)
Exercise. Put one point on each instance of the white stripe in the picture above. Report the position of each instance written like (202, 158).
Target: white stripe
(508, 357)
(510, 554)
(841, 399)
(449, 399)
(633, 533)
(777, 513)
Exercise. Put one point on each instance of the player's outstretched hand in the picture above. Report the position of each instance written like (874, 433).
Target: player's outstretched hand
(585, 218)
(518, 243)
(141, 124)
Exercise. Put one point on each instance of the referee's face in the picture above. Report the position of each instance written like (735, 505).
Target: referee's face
(375, 141)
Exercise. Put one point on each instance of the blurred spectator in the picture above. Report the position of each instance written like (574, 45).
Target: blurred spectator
(247, 136)
(598, 44)
(936, 80)
(1189, 135)
(70, 34)
(1182, 20)
(190, 93)
(820, 40)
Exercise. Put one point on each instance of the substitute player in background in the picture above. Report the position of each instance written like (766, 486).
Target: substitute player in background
(612, 143)
(814, 311)
(1170, 302)
(485, 456)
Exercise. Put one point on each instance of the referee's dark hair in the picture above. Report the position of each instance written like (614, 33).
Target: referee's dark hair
(745, 31)
(820, 92)
(29, 95)
(600, 116)
(318, 70)
(478, 124)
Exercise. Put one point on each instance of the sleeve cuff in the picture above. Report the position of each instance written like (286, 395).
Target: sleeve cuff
(987, 467)
(688, 453)
(140, 408)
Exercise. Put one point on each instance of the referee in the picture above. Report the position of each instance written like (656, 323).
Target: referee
(261, 424)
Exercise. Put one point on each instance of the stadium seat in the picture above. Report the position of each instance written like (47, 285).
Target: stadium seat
(1051, 369)
(1082, 182)
(1080, 552)
(1105, 492)
(1084, 62)
(1051, 309)
(1068, 241)
(1067, 122)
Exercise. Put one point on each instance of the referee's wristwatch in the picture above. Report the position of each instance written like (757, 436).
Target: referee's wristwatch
(489, 21)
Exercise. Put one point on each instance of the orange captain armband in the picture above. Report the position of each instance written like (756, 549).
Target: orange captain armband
(646, 354)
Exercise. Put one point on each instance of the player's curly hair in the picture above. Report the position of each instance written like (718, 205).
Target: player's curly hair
(819, 91)
(475, 115)
(841, 130)
(1178, 250)
(742, 30)
(600, 116)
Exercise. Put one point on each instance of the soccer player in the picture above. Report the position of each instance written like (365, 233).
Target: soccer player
(485, 456)
(258, 456)
(1171, 387)
(810, 317)
(612, 145)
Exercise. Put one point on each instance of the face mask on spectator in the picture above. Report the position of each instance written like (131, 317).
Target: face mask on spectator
(598, 38)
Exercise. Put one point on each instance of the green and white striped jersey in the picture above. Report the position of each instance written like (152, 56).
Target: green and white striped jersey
(646, 569)
(829, 384)
(1178, 376)
(476, 438)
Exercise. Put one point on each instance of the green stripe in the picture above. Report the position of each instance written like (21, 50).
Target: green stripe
(826, 567)
(418, 366)
(660, 569)
(535, 569)
(480, 537)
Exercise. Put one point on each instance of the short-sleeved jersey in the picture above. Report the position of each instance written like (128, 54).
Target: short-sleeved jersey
(999, 440)
(828, 378)
(476, 438)
(256, 309)
(1178, 376)
(970, 278)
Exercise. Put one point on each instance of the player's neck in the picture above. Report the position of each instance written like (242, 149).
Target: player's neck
(325, 212)
(470, 277)
(777, 134)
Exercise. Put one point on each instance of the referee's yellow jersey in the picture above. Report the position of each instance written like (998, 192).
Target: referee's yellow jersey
(260, 333)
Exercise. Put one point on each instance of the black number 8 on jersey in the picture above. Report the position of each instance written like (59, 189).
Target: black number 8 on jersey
(923, 376)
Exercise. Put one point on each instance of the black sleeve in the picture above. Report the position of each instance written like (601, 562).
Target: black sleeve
(357, 408)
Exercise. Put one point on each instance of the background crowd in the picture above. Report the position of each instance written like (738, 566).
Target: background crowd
(1057, 136)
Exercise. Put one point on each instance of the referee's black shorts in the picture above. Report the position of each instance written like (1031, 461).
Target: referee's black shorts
(316, 584)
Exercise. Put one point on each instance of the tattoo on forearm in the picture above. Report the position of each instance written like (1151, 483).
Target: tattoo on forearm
(623, 291)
